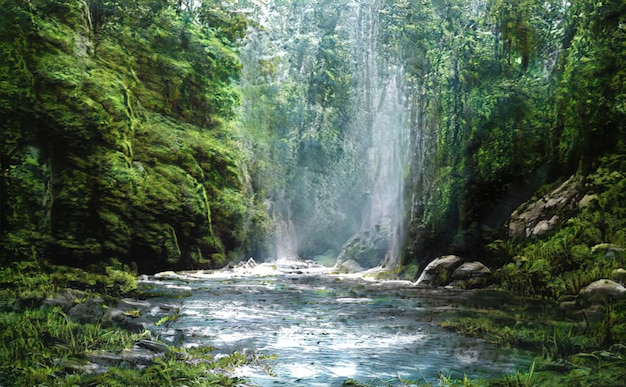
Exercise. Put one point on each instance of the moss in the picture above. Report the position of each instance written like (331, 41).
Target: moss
(572, 257)
(133, 129)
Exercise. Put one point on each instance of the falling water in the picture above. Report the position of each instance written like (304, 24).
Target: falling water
(384, 118)
(351, 202)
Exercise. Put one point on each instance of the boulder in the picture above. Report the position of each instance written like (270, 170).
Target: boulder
(350, 266)
(470, 275)
(439, 271)
(367, 248)
(587, 201)
(600, 291)
(138, 356)
(544, 226)
(88, 312)
(619, 275)
(470, 270)
(65, 299)
(535, 219)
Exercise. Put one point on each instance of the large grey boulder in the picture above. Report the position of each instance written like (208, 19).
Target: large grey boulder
(601, 291)
(367, 248)
(439, 271)
(470, 270)
(535, 219)
(471, 275)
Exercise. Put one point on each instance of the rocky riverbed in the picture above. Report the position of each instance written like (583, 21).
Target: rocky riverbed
(317, 328)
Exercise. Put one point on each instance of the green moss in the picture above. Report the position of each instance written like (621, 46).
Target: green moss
(130, 117)
(572, 257)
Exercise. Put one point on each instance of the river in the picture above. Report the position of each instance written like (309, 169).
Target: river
(321, 329)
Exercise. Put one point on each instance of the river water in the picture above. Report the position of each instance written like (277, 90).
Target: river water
(323, 329)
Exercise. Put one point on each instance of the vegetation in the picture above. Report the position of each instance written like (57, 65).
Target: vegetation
(132, 139)
(43, 345)
(117, 134)
(512, 94)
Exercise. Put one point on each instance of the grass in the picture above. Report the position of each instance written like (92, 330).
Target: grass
(42, 346)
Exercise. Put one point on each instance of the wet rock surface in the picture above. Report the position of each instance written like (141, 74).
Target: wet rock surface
(453, 271)
(439, 271)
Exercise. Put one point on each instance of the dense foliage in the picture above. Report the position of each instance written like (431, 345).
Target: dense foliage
(513, 95)
(116, 128)
(131, 133)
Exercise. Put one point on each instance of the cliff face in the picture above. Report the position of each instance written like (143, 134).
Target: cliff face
(118, 136)
(117, 139)
(515, 97)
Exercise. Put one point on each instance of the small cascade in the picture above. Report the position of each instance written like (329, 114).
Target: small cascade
(389, 156)
(333, 112)
(384, 122)
(286, 240)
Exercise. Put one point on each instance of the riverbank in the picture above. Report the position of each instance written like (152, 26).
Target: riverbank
(66, 326)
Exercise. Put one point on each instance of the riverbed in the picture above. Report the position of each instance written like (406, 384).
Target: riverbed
(313, 328)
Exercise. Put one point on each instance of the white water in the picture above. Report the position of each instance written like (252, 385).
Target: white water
(280, 59)
(325, 329)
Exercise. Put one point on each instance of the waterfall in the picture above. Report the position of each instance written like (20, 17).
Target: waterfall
(330, 109)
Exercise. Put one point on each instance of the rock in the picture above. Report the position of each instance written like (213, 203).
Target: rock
(88, 368)
(544, 226)
(104, 358)
(610, 250)
(368, 248)
(127, 314)
(138, 356)
(65, 299)
(174, 337)
(587, 201)
(350, 266)
(619, 275)
(87, 312)
(535, 219)
(469, 270)
(470, 275)
(600, 291)
(127, 304)
(136, 325)
(153, 346)
(167, 275)
(113, 316)
(439, 271)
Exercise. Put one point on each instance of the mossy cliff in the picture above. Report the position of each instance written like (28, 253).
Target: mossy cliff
(116, 133)
(512, 99)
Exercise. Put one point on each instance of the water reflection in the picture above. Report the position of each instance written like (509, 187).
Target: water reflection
(325, 329)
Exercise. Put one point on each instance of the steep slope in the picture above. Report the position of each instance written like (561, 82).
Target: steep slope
(116, 133)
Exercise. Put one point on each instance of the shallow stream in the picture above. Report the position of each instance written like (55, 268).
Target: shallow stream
(324, 329)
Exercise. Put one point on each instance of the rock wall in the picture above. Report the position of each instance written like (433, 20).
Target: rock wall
(116, 141)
